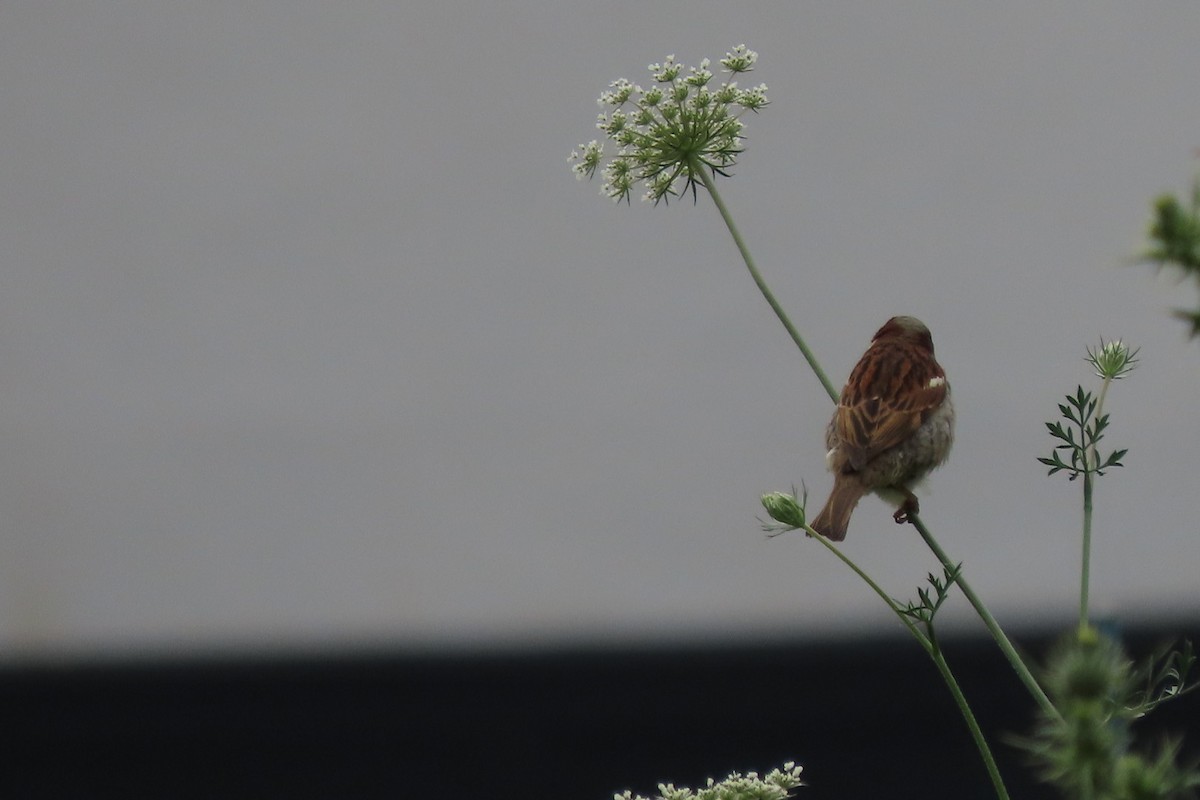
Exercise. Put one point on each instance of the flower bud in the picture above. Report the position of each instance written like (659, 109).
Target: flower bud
(784, 508)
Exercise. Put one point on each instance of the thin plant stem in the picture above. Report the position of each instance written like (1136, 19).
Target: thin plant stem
(1091, 460)
(929, 642)
(1085, 568)
(985, 752)
(711, 186)
(989, 621)
(875, 587)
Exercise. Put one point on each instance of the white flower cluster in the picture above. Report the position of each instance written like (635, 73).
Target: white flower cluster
(673, 131)
(777, 785)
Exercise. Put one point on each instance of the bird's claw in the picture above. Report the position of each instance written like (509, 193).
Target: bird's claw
(909, 509)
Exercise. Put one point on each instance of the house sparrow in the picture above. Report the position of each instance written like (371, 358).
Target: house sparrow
(893, 424)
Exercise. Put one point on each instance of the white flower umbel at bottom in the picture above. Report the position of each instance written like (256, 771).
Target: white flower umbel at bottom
(776, 785)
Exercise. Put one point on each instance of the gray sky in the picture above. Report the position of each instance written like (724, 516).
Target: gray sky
(308, 335)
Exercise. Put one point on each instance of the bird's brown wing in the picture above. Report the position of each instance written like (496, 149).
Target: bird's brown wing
(886, 399)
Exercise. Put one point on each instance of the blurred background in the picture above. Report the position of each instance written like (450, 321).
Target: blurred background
(310, 343)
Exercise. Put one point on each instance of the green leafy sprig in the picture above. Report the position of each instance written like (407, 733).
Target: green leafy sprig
(1079, 413)
(923, 610)
(1084, 413)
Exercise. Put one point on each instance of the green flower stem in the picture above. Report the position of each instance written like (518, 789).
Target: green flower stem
(700, 170)
(1085, 569)
(989, 622)
(875, 587)
(1091, 460)
(930, 643)
(984, 751)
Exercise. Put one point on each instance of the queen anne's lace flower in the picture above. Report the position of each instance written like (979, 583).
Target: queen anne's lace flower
(667, 134)
(775, 785)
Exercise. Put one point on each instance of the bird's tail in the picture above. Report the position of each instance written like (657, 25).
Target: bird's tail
(834, 518)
